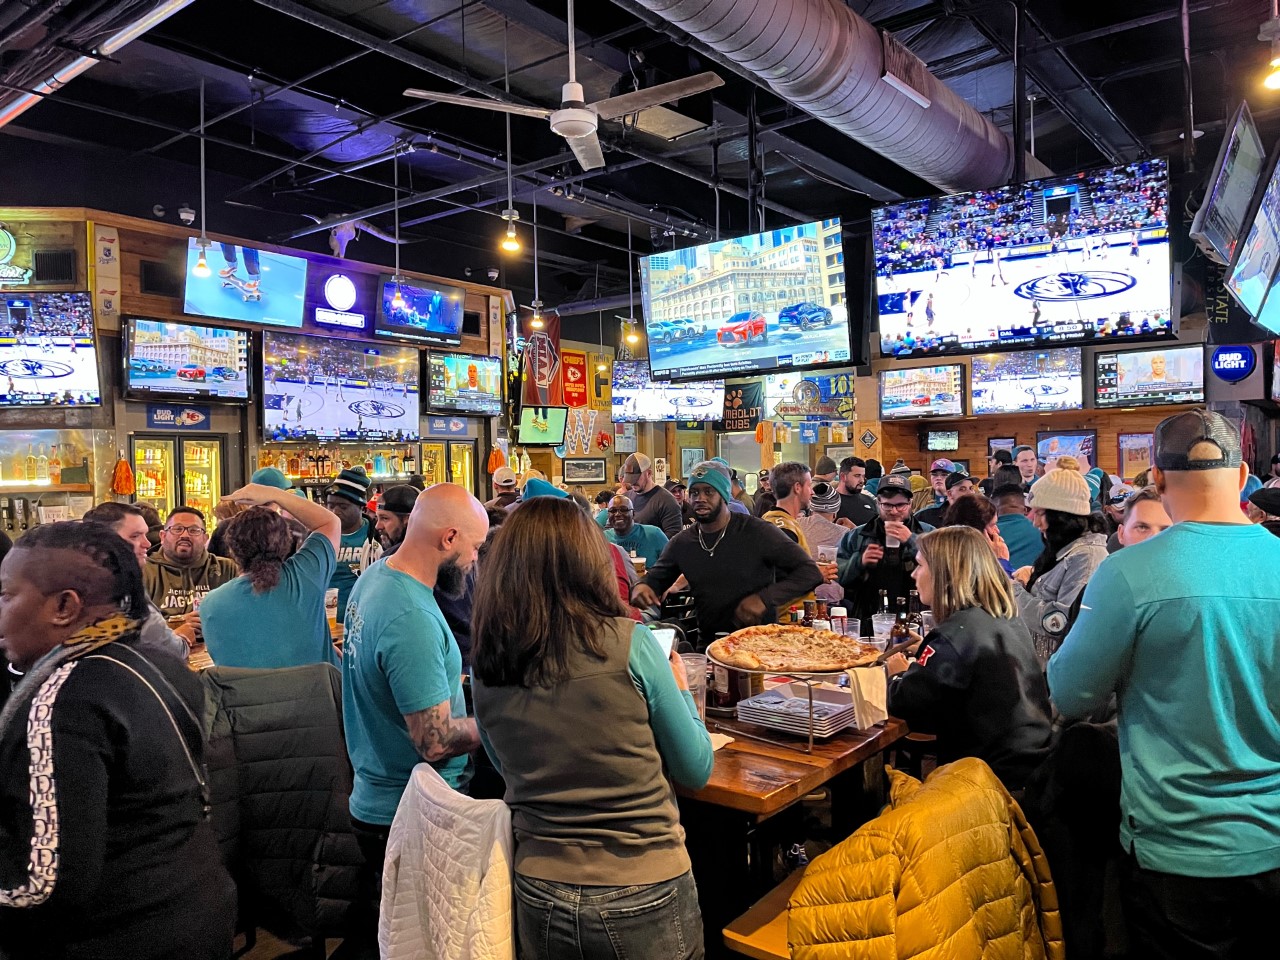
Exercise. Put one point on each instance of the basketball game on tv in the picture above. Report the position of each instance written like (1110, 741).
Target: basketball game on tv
(47, 355)
(323, 389)
(1069, 260)
(1029, 381)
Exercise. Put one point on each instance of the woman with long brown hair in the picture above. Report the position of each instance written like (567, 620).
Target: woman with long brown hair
(272, 615)
(580, 712)
(976, 682)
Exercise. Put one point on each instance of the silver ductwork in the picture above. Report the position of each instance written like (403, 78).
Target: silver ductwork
(834, 65)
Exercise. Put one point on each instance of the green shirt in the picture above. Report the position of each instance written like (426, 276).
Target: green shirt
(350, 549)
(398, 658)
(283, 627)
(647, 541)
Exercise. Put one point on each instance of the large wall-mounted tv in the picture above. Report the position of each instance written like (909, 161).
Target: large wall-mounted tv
(327, 389)
(1220, 221)
(246, 284)
(542, 426)
(182, 361)
(47, 350)
(1139, 378)
(922, 392)
(430, 313)
(771, 301)
(637, 399)
(1051, 262)
(1029, 381)
(462, 383)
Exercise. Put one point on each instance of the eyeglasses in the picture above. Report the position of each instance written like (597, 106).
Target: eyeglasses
(178, 529)
(904, 505)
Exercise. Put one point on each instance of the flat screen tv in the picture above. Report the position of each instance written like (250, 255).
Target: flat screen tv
(327, 389)
(246, 284)
(430, 314)
(922, 392)
(772, 301)
(1029, 381)
(1220, 221)
(462, 383)
(637, 399)
(942, 440)
(1078, 259)
(542, 426)
(1253, 269)
(1141, 378)
(182, 361)
(48, 356)
(1081, 444)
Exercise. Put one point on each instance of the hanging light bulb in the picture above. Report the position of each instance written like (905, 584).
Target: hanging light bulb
(537, 322)
(397, 301)
(201, 269)
(601, 366)
(632, 337)
(510, 243)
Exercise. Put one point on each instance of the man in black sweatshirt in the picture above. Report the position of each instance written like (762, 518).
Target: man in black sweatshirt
(739, 568)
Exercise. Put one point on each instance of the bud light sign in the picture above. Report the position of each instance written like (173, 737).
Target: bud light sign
(1233, 364)
(171, 417)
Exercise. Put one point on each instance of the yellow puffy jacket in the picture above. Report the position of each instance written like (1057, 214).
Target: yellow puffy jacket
(949, 871)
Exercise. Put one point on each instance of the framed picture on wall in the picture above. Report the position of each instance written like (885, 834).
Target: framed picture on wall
(1001, 443)
(962, 465)
(1135, 453)
(839, 451)
(690, 457)
(1081, 444)
(585, 471)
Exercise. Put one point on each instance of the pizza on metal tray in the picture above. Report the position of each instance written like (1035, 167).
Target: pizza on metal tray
(791, 649)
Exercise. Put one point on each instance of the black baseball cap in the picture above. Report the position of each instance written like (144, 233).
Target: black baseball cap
(957, 478)
(1001, 456)
(894, 484)
(1178, 435)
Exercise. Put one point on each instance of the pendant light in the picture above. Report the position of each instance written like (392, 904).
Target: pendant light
(603, 364)
(632, 337)
(510, 243)
(201, 269)
(537, 322)
(397, 301)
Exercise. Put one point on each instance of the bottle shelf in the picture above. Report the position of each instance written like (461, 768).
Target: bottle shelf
(28, 487)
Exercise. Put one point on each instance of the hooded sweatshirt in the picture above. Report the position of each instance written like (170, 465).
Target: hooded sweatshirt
(174, 587)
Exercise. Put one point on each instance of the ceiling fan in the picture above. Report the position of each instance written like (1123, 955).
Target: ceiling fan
(577, 121)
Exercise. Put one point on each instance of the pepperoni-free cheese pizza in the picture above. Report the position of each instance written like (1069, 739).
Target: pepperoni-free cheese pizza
(791, 649)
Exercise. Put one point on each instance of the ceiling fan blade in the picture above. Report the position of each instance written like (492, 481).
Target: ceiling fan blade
(628, 103)
(496, 105)
(587, 150)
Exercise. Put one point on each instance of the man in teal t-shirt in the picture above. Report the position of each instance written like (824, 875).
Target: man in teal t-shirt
(359, 547)
(639, 539)
(402, 700)
(1182, 627)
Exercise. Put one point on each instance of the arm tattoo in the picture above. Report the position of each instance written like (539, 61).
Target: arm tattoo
(438, 736)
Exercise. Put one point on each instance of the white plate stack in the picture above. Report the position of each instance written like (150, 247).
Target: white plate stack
(786, 707)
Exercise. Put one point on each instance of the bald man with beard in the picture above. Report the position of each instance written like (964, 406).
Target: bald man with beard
(402, 699)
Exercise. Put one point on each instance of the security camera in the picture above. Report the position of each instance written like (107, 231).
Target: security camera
(158, 211)
(186, 214)
(466, 271)
(492, 273)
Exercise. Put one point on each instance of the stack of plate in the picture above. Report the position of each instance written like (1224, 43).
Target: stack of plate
(786, 707)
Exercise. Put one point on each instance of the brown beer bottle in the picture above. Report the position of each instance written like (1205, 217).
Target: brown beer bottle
(901, 627)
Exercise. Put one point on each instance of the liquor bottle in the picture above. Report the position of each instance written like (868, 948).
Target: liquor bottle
(368, 463)
(396, 464)
(410, 461)
(5, 513)
(282, 462)
(901, 629)
(914, 616)
(379, 464)
(295, 465)
(884, 602)
(55, 466)
(31, 462)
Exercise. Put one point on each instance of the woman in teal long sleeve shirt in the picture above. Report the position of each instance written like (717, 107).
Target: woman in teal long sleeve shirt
(581, 713)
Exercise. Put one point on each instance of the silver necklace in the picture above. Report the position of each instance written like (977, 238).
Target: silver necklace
(711, 550)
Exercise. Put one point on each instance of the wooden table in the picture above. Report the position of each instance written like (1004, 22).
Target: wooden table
(733, 824)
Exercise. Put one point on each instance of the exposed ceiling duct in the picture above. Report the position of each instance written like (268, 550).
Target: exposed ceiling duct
(834, 65)
(147, 15)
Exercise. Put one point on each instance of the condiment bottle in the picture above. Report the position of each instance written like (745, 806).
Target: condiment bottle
(839, 620)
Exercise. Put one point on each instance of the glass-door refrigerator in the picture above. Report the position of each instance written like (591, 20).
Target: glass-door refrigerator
(172, 470)
(462, 464)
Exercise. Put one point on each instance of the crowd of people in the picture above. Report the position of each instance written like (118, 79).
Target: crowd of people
(488, 639)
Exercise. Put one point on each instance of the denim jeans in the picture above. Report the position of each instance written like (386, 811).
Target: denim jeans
(658, 921)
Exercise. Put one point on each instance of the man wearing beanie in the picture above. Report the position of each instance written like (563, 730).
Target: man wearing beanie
(1047, 589)
(820, 527)
(741, 570)
(1182, 629)
(345, 498)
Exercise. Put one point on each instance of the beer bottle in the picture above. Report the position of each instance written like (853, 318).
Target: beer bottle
(884, 602)
(914, 615)
(901, 629)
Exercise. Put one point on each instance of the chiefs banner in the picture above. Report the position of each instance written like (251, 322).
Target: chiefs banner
(542, 365)
(574, 366)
